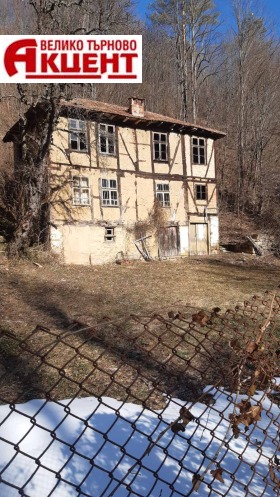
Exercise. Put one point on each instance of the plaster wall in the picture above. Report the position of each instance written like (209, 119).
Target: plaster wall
(80, 235)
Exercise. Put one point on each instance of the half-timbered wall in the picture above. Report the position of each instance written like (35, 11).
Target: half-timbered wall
(81, 230)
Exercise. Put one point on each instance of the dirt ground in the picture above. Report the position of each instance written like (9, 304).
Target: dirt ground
(54, 295)
(137, 359)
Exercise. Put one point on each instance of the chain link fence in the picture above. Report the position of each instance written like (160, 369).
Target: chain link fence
(174, 404)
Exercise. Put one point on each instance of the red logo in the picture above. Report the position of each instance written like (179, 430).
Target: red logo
(29, 57)
(71, 58)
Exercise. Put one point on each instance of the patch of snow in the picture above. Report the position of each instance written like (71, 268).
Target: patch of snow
(85, 447)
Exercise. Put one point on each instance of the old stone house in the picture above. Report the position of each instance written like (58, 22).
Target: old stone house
(127, 174)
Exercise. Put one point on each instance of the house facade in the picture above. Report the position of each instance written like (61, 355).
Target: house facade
(133, 183)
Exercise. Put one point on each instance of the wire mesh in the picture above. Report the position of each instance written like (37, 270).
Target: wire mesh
(177, 404)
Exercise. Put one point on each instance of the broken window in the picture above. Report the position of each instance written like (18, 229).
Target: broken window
(107, 139)
(81, 194)
(199, 150)
(109, 192)
(110, 234)
(163, 194)
(201, 192)
(160, 146)
(78, 137)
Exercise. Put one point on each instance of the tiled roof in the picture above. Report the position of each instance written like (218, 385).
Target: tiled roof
(116, 110)
(107, 109)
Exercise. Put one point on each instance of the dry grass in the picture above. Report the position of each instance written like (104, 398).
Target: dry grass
(55, 296)
(63, 298)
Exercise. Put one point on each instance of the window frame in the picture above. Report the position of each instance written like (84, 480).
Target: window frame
(78, 131)
(160, 144)
(110, 201)
(197, 194)
(80, 189)
(107, 136)
(201, 157)
(161, 192)
(110, 237)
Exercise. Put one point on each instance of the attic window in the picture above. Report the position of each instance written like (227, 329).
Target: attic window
(199, 150)
(160, 147)
(107, 139)
(78, 137)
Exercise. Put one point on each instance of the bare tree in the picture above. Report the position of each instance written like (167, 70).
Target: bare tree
(253, 55)
(193, 24)
(83, 17)
(24, 196)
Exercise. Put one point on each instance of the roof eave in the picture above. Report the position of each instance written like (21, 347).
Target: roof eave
(177, 127)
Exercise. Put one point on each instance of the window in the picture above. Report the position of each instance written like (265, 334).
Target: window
(81, 195)
(163, 195)
(109, 192)
(78, 137)
(107, 139)
(110, 234)
(200, 192)
(160, 146)
(199, 151)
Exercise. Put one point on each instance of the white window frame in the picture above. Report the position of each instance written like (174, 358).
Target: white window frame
(107, 138)
(199, 151)
(79, 188)
(163, 194)
(160, 155)
(78, 134)
(109, 193)
(110, 234)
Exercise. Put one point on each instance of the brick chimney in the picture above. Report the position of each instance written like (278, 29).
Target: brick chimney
(136, 106)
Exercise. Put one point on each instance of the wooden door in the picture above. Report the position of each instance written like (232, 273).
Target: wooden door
(168, 242)
(198, 239)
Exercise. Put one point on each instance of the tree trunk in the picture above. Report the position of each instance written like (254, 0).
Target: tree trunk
(38, 127)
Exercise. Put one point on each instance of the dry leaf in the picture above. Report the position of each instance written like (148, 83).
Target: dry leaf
(200, 318)
(244, 419)
(273, 476)
(244, 405)
(196, 481)
(186, 415)
(263, 378)
(257, 373)
(257, 412)
(251, 347)
(252, 390)
(178, 427)
(217, 474)
(235, 430)
(248, 414)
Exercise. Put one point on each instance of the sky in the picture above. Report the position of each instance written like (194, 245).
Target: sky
(271, 11)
